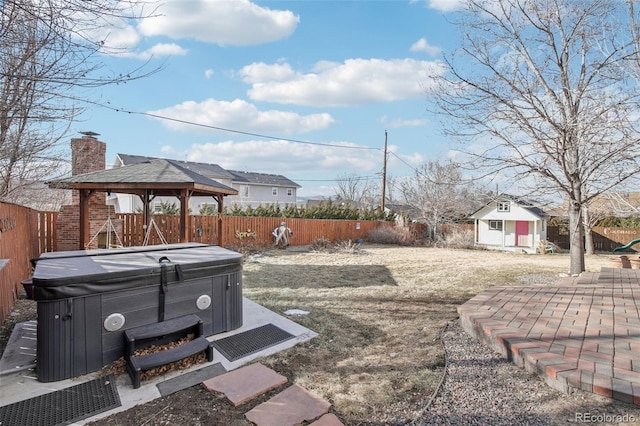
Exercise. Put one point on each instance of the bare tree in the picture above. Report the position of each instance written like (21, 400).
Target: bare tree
(49, 63)
(439, 192)
(547, 87)
(623, 204)
(354, 190)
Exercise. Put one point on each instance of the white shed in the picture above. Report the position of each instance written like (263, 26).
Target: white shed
(510, 224)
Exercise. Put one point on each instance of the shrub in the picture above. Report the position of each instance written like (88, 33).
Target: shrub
(320, 244)
(389, 235)
(348, 246)
(457, 239)
(247, 248)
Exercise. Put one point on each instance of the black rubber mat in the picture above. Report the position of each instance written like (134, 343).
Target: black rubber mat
(251, 341)
(189, 379)
(65, 406)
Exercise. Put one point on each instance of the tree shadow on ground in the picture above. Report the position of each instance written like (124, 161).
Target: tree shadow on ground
(319, 276)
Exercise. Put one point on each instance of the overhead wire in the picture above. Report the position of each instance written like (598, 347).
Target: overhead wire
(242, 132)
(224, 129)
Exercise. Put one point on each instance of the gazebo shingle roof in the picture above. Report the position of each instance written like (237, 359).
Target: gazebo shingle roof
(156, 174)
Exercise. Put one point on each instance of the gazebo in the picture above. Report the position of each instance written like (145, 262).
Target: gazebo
(147, 180)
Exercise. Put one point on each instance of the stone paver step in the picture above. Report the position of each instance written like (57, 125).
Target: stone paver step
(328, 419)
(290, 407)
(245, 383)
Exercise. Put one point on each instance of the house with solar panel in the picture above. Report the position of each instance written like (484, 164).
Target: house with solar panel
(253, 188)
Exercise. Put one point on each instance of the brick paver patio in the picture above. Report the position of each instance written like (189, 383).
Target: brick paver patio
(583, 333)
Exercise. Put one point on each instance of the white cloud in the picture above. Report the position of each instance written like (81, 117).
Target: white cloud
(236, 23)
(423, 45)
(354, 82)
(398, 122)
(240, 115)
(279, 156)
(446, 5)
(208, 74)
(160, 50)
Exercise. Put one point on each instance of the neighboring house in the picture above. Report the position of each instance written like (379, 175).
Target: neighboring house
(254, 189)
(511, 224)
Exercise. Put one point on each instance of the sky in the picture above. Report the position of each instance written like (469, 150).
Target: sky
(305, 89)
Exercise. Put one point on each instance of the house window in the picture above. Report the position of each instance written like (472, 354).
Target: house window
(495, 225)
(274, 192)
(504, 206)
(289, 192)
(157, 208)
(245, 191)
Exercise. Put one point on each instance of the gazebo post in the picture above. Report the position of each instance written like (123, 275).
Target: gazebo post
(85, 195)
(184, 216)
(220, 201)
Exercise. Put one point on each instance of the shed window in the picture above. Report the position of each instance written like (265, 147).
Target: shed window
(504, 206)
(495, 225)
(289, 192)
(274, 192)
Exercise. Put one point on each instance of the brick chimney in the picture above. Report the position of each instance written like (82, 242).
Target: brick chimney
(88, 154)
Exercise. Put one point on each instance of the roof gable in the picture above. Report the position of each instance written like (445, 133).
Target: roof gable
(520, 202)
(262, 179)
(205, 169)
(215, 171)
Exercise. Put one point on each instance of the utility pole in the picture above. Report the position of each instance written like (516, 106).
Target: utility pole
(384, 173)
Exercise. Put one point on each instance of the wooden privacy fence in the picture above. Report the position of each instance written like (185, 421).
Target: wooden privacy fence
(19, 243)
(605, 239)
(241, 230)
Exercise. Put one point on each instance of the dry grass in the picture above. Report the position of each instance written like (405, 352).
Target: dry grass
(379, 311)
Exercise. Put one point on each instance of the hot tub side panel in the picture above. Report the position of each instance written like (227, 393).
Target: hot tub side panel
(68, 342)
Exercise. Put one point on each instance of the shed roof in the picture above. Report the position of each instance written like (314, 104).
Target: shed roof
(525, 204)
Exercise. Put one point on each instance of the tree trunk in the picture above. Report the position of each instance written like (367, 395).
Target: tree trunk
(576, 239)
(588, 235)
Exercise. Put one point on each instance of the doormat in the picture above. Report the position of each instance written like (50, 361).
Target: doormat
(65, 406)
(189, 379)
(251, 341)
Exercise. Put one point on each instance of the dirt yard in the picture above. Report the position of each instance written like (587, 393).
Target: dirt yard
(379, 311)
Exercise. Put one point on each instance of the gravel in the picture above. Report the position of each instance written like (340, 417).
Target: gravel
(481, 387)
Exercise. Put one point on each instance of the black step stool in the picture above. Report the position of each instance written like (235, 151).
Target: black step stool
(159, 334)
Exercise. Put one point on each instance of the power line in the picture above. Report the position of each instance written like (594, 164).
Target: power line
(337, 179)
(224, 129)
(241, 132)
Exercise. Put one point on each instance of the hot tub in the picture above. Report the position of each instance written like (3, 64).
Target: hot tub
(87, 299)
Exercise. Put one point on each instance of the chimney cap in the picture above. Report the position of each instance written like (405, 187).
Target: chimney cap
(90, 134)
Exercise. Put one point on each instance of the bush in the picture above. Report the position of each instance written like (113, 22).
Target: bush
(348, 246)
(248, 248)
(320, 244)
(457, 239)
(390, 235)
